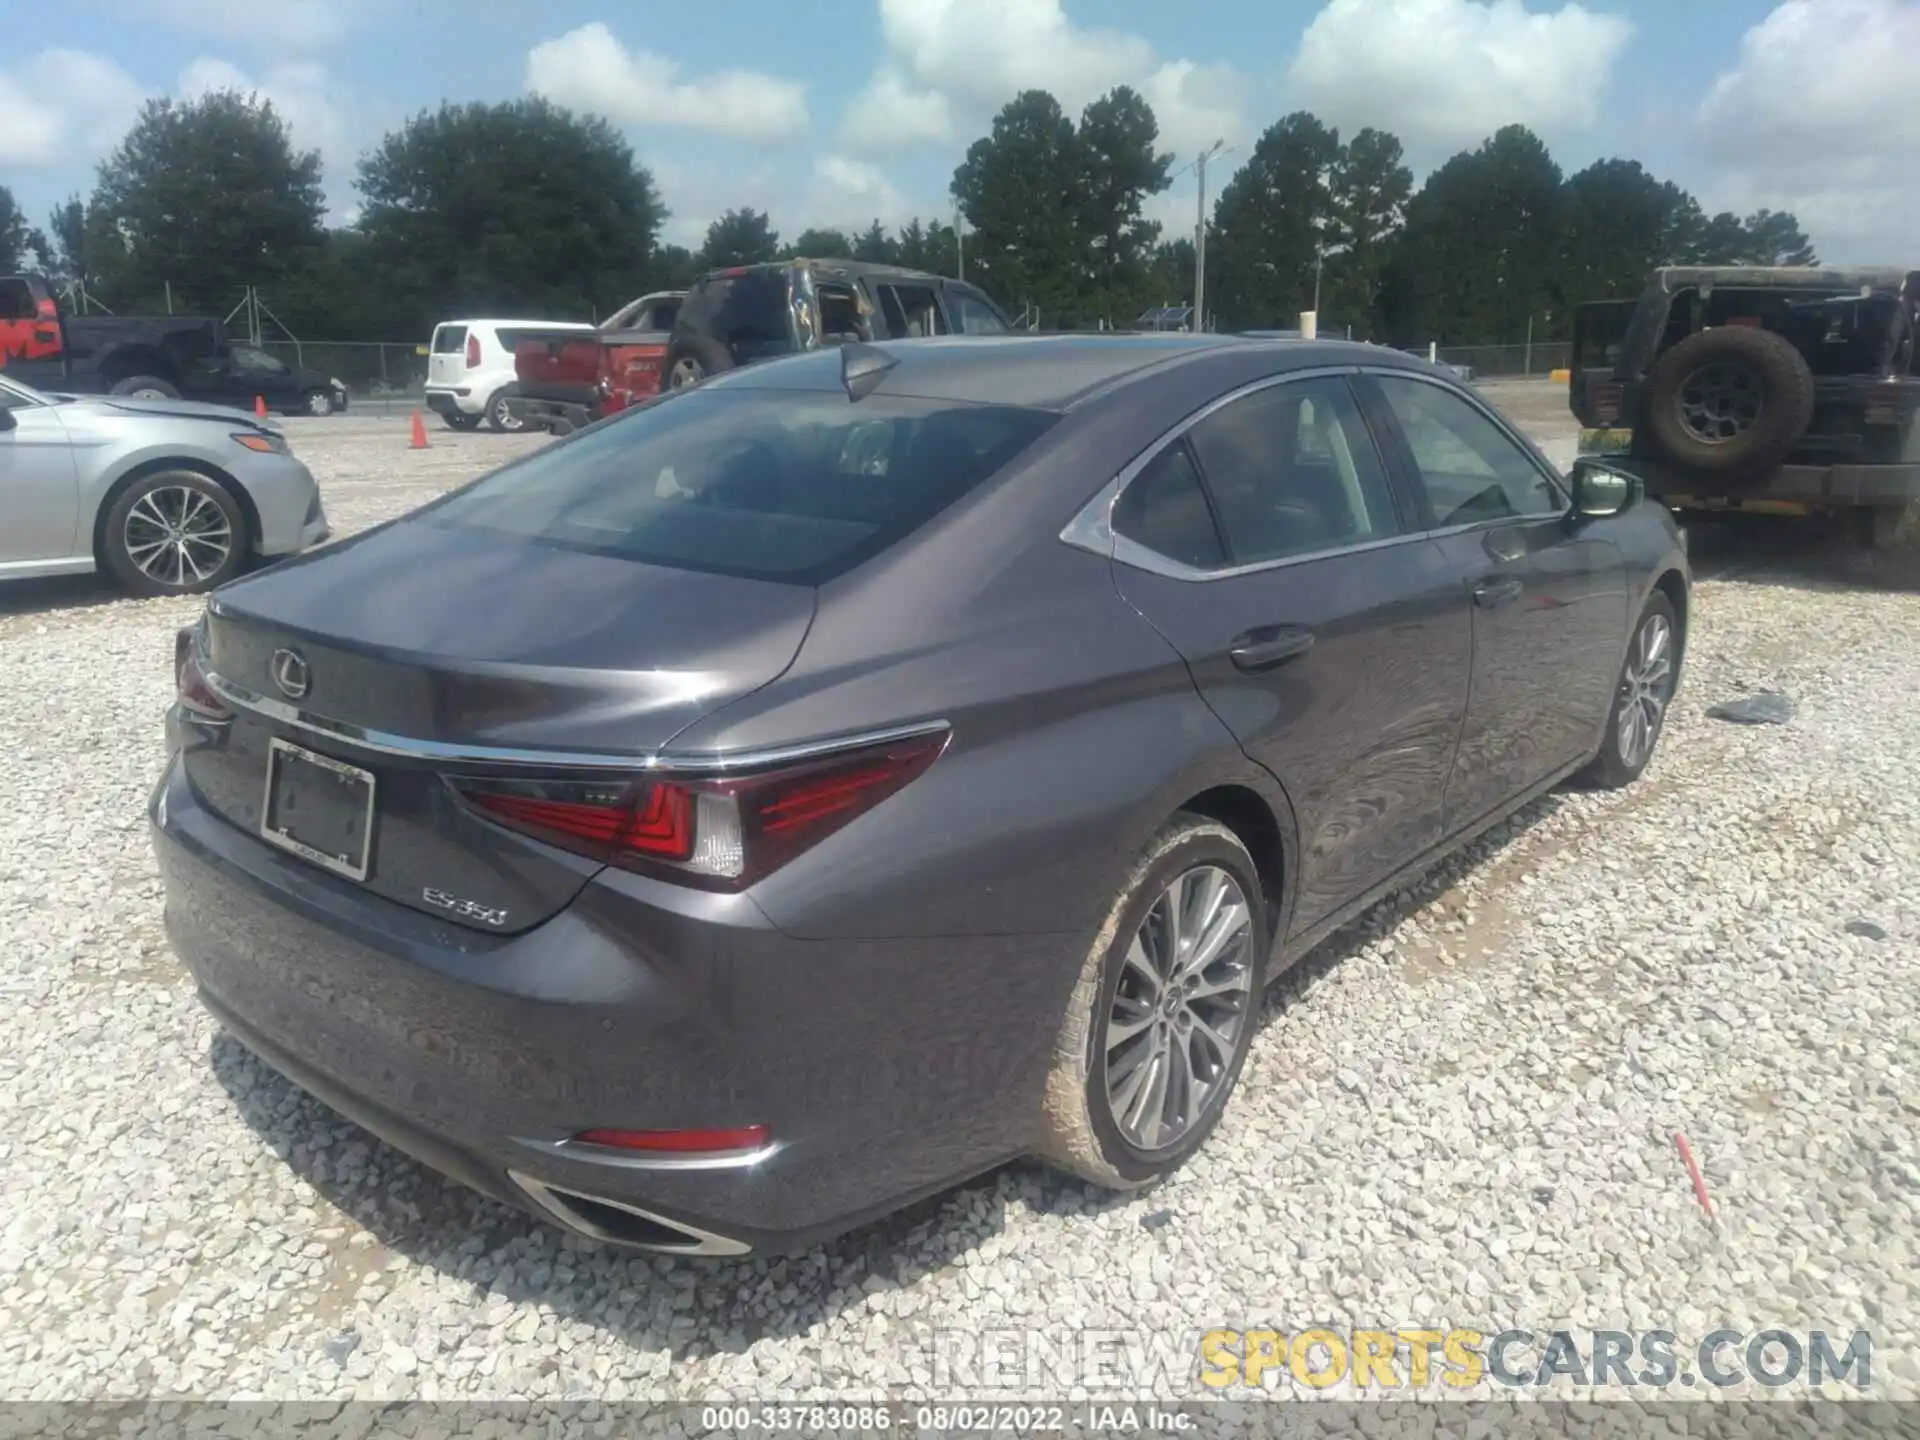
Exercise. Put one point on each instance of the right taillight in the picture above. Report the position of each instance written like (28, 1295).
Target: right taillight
(721, 832)
(473, 352)
(190, 678)
(1606, 401)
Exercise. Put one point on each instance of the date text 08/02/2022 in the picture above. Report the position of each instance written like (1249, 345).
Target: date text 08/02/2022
(1095, 1417)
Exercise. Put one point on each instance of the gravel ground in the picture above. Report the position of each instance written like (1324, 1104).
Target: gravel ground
(1459, 1111)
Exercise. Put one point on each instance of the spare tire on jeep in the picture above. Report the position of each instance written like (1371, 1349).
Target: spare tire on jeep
(1729, 399)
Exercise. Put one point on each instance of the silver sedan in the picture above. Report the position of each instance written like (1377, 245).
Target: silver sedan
(168, 496)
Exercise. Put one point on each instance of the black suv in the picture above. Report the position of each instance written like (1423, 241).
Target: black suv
(745, 313)
(1788, 389)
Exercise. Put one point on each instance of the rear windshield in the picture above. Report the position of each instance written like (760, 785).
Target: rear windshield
(771, 485)
(1599, 329)
(747, 309)
(449, 339)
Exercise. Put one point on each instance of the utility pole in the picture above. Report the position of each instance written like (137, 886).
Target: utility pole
(959, 243)
(1319, 254)
(1200, 239)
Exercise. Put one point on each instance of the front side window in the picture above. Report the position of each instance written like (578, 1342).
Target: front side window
(771, 485)
(1471, 468)
(911, 311)
(1292, 470)
(257, 362)
(972, 315)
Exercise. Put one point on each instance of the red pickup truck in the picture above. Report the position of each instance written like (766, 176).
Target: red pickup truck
(569, 381)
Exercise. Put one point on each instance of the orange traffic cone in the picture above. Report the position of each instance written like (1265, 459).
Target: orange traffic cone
(260, 406)
(419, 433)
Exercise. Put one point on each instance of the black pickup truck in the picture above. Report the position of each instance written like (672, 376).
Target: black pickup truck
(1776, 389)
(155, 356)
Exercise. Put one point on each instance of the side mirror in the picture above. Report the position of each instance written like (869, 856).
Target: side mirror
(1601, 489)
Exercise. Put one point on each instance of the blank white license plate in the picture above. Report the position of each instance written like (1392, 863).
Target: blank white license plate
(319, 808)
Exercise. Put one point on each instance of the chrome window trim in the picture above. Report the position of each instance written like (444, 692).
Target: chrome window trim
(569, 1148)
(406, 747)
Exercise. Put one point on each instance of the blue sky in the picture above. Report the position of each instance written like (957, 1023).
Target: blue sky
(843, 111)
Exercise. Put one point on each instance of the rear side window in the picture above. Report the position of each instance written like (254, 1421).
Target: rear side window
(1293, 470)
(770, 485)
(748, 309)
(911, 311)
(449, 339)
(1165, 509)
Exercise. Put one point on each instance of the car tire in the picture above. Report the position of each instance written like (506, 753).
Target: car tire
(500, 416)
(1730, 400)
(159, 505)
(692, 360)
(1628, 746)
(1097, 1106)
(150, 387)
(460, 420)
(317, 402)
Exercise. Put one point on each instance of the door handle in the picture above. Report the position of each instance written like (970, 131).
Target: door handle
(1492, 594)
(1259, 650)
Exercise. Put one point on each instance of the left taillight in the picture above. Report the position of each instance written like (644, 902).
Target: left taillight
(720, 832)
(190, 687)
(473, 352)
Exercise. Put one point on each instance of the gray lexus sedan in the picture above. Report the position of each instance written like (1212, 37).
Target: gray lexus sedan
(807, 791)
(170, 497)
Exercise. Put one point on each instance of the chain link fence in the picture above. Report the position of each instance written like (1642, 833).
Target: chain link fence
(1495, 362)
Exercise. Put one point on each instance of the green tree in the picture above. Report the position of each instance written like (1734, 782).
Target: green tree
(740, 237)
(1620, 223)
(1269, 227)
(1775, 238)
(910, 249)
(1120, 168)
(20, 244)
(823, 244)
(876, 246)
(1478, 256)
(518, 207)
(1016, 189)
(1720, 240)
(1369, 187)
(944, 249)
(674, 268)
(208, 196)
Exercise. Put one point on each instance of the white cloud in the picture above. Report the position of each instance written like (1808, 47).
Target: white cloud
(892, 117)
(1445, 74)
(589, 69)
(952, 63)
(280, 24)
(850, 195)
(63, 105)
(1818, 116)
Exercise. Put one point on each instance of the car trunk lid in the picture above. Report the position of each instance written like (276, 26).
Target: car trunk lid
(431, 651)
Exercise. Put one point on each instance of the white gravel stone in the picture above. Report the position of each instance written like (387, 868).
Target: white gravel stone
(1459, 1111)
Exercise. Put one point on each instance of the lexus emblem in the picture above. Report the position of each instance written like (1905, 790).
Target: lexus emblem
(289, 669)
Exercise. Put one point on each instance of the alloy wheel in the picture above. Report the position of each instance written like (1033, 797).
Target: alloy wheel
(177, 536)
(686, 371)
(1645, 688)
(1720, 402)
(319, 403)
(1184, 999)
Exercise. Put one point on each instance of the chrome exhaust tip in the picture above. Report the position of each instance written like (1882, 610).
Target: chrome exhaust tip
(616, 1222)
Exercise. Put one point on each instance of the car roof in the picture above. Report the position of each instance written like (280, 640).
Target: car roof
(1045, 372)
(831, 265)
(1787, 277)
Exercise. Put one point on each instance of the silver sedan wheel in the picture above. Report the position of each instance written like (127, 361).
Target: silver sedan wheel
(1184, 999)
(1645, 688)
(177, 536)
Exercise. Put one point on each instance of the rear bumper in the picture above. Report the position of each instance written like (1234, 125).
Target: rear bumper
(449, 401)
(562, 417)
(1798, 487)
(884, 1070)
